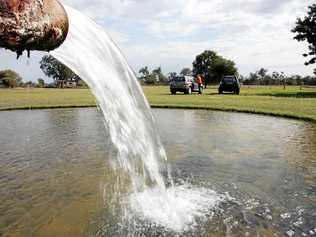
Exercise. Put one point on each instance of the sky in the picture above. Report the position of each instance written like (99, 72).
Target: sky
(170, 33)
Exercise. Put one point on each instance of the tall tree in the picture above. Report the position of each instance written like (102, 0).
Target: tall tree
(56, 70)
(212, 66)
(262, 73)
(305, 30)
(203, 64)
(254, 78)
(144, 72)
(172, 75)
(10, 78)
(186, 71)
(40, 82)
(223, 67)
(159, 75)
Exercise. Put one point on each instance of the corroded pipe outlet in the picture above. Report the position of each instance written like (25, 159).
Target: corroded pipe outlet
(32, 25)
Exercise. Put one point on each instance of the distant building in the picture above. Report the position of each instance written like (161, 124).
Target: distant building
(71, 83)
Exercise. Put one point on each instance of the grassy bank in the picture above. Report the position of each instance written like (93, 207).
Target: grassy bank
(291, 103)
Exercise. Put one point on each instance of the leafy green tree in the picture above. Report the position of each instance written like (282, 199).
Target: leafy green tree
(56, 70)
(276, 78)
(10, 78)
(262, 73)
(254, 78)
(156, 76)
(203, 65)
(157, 71)
(151, 79)
(172, 75)
(223, 67)
(144, 73)
(212, 66)
(264, 78)
(186, 71)
(305, 30)
(40, 82)
(159, 75)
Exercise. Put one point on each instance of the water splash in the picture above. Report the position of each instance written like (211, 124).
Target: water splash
(179, 209)
(93, 56)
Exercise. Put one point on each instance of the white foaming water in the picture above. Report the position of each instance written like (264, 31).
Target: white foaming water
(93, 56)
(178, 208)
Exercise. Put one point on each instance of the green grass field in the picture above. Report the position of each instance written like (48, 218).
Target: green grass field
(292, 102)
(45, 98)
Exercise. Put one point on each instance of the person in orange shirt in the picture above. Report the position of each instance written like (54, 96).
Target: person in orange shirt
(199, 81)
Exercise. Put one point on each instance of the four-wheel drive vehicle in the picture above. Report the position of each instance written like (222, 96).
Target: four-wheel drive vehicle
(229, 84)
(184, 84)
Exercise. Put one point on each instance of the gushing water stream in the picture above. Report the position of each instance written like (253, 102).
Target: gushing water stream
(93, 56)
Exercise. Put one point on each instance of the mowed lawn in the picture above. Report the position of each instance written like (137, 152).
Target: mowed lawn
(45, 98)
(292, 102)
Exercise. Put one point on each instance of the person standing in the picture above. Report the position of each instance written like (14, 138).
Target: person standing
(199, 82)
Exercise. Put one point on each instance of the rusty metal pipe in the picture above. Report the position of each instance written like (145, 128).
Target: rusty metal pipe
(32, 25)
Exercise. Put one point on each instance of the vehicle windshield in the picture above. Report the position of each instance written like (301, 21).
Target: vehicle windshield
(229, 79)
(179, 79)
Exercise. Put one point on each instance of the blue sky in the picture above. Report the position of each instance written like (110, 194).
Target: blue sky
(253, 33)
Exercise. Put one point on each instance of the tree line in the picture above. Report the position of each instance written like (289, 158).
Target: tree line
(210, 65)
(264, 77)
(152, 78)
(213, 67)
(51, 67)
(12, 79)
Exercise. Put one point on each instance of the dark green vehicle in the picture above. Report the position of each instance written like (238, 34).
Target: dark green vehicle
(229, 84)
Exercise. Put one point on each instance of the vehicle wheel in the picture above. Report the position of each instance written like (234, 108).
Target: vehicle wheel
(220, 92)
(173, 92)
(237, 92)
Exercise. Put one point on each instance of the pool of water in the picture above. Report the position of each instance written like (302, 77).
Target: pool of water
(56, 178)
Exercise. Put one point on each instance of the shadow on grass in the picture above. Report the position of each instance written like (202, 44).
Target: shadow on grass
(307, 94)
(195, 93)
(181, 93)
(223, 94)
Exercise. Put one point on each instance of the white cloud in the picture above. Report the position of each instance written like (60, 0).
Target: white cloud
(177, 28)
(252, 33)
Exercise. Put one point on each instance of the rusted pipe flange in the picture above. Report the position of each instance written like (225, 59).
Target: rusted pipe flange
(32, 25)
